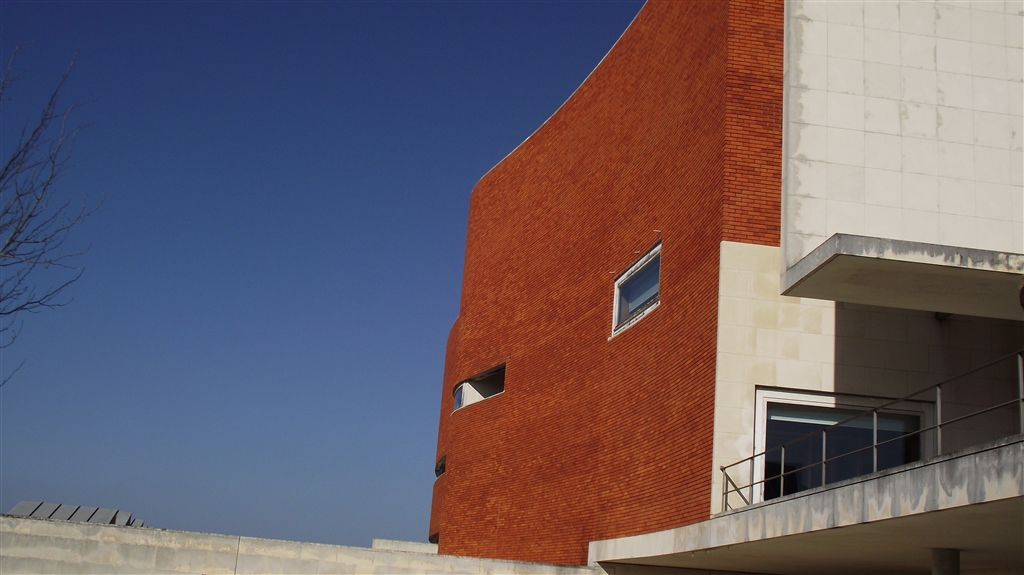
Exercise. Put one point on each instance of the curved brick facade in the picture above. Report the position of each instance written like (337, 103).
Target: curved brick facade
(675, 137)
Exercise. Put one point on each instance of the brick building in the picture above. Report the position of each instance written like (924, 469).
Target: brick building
(753, 221)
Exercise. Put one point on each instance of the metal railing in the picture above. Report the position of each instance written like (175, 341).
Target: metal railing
(730, 487)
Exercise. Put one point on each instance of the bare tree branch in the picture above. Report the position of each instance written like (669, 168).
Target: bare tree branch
(8, 377)
(34, 221)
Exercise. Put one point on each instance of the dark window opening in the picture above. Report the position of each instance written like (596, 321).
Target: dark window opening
(480, 387)
(434, 538)
(788, 422)
(439, 467)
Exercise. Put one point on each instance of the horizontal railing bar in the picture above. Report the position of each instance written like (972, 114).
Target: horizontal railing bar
(791, 471)
(979, 412)
(818, 463)
(879, 444)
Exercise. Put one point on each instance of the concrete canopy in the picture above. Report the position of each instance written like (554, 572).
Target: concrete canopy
(909, 275)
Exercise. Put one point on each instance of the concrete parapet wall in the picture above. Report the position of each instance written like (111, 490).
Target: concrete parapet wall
(51, 546)
(408, 546)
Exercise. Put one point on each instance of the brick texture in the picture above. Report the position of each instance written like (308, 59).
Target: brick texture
(675, 137)
(752, 179)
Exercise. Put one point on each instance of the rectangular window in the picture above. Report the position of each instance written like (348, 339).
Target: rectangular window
(783, 418)
(637, 291)
(847, 447)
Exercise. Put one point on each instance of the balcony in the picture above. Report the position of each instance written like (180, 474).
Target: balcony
(975, 407)
(852, 509)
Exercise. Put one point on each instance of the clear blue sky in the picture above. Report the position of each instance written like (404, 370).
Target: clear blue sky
(256, 346)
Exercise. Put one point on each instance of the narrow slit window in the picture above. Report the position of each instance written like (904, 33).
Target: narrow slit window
(480, 387)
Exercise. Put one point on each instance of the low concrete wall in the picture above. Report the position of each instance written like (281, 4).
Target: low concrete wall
(51, 546)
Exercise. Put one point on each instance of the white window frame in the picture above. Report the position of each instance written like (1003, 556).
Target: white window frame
(457, 396)
(617, 327)
(762, 397)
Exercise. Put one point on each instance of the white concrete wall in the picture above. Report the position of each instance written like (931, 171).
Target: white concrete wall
(904, 121)
(54, 546)
(766, 340)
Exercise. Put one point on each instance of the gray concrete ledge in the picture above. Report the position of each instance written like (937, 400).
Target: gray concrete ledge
(909, 275)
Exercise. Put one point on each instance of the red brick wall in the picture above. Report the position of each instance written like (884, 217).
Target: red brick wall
(597, 437)
(753, 123)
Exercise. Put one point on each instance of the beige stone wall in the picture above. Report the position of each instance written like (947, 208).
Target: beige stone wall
(764, 339)
(770, 341)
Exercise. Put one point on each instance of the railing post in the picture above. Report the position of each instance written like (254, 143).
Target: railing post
(874, 441)
(725, 490)
(782, 472)
(1020, 389)
(938, 420)
(824, 434)
(750, 480)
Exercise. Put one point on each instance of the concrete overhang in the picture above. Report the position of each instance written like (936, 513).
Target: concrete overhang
(909, 275)
(886, 522)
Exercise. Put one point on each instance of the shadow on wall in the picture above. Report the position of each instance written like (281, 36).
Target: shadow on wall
(891, 353)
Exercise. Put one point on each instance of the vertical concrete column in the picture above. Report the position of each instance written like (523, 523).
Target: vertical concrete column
(945, 562)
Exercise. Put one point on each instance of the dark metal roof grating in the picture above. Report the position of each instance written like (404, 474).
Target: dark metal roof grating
(64, 512)
(98, 515)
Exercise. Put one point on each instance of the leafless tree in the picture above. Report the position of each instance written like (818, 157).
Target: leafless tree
(35, 220)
